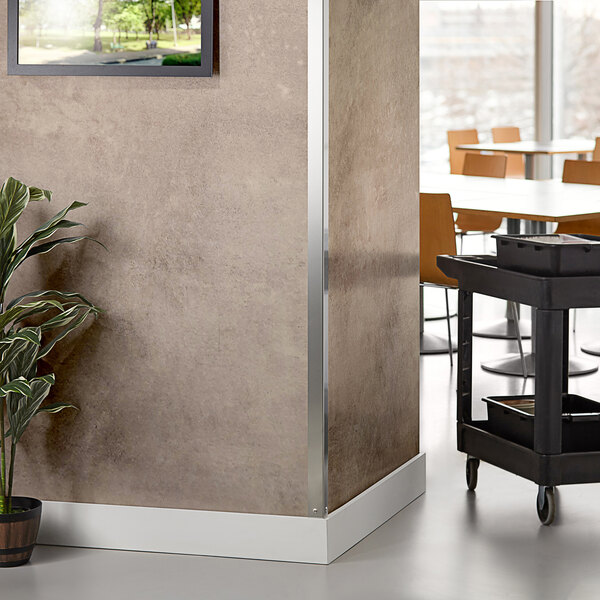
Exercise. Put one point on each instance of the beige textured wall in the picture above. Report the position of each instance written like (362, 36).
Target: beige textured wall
(373, 242)
(192, 387)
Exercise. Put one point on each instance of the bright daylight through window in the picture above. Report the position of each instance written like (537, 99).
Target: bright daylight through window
(476, 71)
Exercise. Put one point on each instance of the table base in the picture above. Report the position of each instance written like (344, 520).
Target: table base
(511, 365)
(434, 344)
(591, 348)
(504, 330)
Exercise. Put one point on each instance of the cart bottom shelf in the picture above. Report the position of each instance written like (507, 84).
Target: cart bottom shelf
(476, 440)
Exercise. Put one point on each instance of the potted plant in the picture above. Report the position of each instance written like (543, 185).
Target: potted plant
(22, 347)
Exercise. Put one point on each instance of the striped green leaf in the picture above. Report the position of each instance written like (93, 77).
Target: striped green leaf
(11, 354)
(48, 228)
(63, 297)
(55, 407)
(18, 386)
(21, 408)
(31, 334)
(41, 233)
(8, 245)
(48, 246)
(73, 324)
(37, 194)
(15, 313)
(24, 363)
(14, 197)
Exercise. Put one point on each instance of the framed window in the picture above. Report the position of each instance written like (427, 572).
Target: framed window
(477, 71)
(576, 64)
(158, 38)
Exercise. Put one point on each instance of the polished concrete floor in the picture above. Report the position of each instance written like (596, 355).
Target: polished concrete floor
(449, 544)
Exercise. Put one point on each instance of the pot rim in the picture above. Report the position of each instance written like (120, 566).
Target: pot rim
(32, 508)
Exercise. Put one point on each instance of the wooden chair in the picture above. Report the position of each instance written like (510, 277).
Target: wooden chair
(437, 237)
(588, 172)
(482, 165)
(456, 138)
(596, 153)
(581, 171)
(515, 165)
(485, 165)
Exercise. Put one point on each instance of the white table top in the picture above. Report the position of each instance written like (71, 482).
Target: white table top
(530, 147)
(534, 200)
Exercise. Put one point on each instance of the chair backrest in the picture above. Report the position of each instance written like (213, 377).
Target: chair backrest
(596, 153)
(506, 134)
(515, 164)
(586, 226)
(582, 171)
(437, 236)
(455, 138)
(485, 165)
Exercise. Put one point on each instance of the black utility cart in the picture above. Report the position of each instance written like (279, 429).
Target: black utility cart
(552, 438)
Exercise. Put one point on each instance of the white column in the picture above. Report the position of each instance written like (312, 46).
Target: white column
(544, 54)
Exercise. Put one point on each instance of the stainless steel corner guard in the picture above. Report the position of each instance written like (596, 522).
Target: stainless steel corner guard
(318, 179)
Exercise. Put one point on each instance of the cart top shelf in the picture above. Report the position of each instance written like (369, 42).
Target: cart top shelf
(481, 274)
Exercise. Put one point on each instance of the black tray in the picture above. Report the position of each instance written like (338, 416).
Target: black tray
(549, 254)
(511, 417)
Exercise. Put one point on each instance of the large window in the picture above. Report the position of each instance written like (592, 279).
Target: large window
(576, 68)
(477, 71)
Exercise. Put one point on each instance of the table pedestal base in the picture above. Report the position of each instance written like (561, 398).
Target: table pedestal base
(591, 348)
(434, 344)
(511, 365)
(504, 330)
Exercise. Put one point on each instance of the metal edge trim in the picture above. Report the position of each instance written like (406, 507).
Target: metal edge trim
(318, 133)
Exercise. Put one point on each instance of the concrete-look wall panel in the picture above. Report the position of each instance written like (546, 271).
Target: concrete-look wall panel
(192, 386)
(373, 242)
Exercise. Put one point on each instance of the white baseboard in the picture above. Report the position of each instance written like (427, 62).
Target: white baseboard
(352, 522)
(236, 535)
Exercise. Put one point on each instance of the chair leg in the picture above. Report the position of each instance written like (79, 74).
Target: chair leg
(449, 333)
(462, 242)
(513, 308)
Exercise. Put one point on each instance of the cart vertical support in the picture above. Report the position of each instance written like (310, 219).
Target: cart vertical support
(565, 363)
(465, 357)
(550, 358)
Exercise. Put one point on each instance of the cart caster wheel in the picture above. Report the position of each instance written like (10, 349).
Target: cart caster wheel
(546, 505)
(471, 472)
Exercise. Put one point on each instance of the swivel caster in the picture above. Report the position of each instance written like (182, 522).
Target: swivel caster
(471, 472)
(546, 504)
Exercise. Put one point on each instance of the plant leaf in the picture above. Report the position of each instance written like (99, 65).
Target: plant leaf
(20, 254)
(62, 318)
(55, 407)
(11, 354)
(24, 363)
(37, 194)
(43, 232)
(62, 296)
(15, 313)
(14, 197)
(56, 219)
(8, 243)
(73, 325)
(31, 334)
(21, 408)
(43, 248)
(17, 386)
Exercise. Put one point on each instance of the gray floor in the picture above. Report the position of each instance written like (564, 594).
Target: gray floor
(449, 544)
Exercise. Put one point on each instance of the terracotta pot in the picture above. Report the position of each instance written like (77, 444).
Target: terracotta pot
(18, 532)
